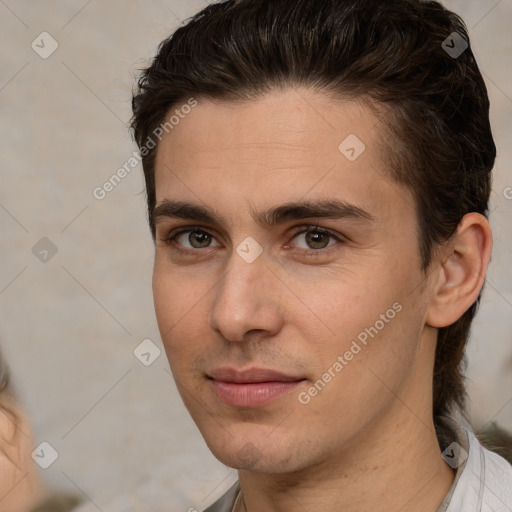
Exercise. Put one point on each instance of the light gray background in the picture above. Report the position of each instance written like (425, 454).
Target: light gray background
(68, 327)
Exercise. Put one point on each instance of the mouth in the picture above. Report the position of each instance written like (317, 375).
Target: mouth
(253, 387)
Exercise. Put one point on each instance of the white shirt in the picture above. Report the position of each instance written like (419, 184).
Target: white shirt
(483, 483)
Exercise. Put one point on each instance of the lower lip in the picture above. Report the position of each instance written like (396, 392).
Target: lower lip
(253, 394)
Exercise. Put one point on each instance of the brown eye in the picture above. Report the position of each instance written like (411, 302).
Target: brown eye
(315, 239)
(193, 239)
(199, 239)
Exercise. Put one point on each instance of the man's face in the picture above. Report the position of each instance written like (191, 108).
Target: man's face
(339, 311)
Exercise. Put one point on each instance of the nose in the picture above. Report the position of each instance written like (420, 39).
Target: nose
(247, 300)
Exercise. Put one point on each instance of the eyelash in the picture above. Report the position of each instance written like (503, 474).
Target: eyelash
(311, 253)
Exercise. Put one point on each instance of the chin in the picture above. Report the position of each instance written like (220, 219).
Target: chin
(257, 453)
(250, 458)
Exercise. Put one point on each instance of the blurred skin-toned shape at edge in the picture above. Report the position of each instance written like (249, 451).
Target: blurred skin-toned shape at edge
(21, 487)
(20, 484)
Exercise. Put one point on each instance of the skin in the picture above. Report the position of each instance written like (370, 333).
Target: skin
(20, 485)
(366, 441)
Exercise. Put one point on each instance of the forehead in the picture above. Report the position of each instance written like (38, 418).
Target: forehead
(283, 146)
(278, 122)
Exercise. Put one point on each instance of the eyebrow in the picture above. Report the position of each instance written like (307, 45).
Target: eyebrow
(328, 209)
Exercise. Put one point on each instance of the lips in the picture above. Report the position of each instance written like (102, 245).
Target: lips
(253, 387)
(251, 375)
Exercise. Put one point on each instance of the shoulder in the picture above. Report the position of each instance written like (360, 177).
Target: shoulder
(485, 484)
(496, 480)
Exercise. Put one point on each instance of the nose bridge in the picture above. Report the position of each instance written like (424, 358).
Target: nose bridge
(236, 292)
(242, 301)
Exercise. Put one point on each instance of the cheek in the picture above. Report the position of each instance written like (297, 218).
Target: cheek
(165, 298)
(341, 306)
(171, 303)
(370, 320)
(180, 306)
(356, 380)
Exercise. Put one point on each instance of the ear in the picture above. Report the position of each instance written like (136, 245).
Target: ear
(462, 269)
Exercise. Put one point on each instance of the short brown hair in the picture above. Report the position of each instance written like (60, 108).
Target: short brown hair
(392, 53)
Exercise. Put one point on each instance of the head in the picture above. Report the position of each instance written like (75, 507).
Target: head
(264, 95)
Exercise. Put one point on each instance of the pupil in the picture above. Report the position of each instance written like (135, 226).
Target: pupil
(198, 239)
(315, 239)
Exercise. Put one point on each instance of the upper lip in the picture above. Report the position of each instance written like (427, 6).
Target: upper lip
(251, 375)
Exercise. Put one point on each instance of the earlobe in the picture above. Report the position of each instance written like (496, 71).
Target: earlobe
(462, 270)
